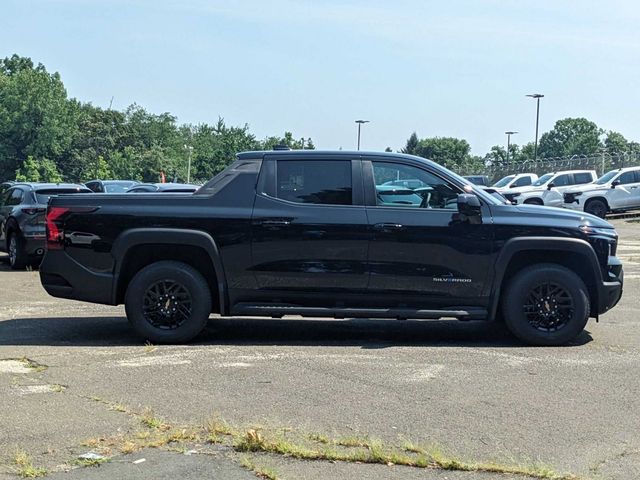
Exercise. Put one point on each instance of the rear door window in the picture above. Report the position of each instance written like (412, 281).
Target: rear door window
(522, 182)
(325, 182)
(14, 197)
(627, 177)
(581, 178)
(563, 180)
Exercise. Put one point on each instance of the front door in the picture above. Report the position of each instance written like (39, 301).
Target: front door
(309, 229)
(421, 255)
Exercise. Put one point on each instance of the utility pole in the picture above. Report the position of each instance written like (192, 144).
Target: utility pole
(360, 122)
(508, 134)
(190, 149)
(537, 96)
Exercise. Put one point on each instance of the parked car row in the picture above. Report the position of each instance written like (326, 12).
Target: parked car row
(615, 191)
(23, 206)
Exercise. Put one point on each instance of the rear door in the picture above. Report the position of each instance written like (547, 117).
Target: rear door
(420, 256)
(309, 229)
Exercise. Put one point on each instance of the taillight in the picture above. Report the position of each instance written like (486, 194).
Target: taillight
(33, 211)
(55, 229)
(54, 222)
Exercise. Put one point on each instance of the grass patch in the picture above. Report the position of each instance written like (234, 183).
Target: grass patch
(318, 437)
(149, 420)
(260, 472)
(23, 466)
(90, 462)
(149, 347)
(33, 365)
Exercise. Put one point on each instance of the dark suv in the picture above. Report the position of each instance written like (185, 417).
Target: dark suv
(22, 211)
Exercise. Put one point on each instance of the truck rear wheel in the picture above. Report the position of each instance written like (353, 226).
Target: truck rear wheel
(168, 302)
(546, 304)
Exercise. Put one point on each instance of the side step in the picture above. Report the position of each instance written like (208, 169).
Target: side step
(272, 310)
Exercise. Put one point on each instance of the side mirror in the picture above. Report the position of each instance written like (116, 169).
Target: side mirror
(513, 185)
(551, 185)
(469, 205)
(615, 183)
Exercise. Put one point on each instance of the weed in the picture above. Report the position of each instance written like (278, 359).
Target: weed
(317, 437)
(24, 466)
(149, 347)
(149, 420)
(90, 462)
(261, 472)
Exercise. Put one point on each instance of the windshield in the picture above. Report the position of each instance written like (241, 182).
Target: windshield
(607, 177)
(119, 187)
(543, 179)
(504, 181)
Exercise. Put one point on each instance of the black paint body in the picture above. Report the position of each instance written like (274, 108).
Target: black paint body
(266, 251)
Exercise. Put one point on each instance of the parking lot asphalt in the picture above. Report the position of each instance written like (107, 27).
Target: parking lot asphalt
(75, 380)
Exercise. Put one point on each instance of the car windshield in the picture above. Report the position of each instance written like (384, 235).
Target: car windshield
(504, 181)
(607, 177)
(119, 187)
(42, 196)
(542, 180)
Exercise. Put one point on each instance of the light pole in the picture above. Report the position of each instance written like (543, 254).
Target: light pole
(360, 122)
(508, 134)
(537, 96)
(190, 149)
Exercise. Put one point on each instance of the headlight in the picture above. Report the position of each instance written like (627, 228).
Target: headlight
(608, 232)
(514, 195)
(576, 194)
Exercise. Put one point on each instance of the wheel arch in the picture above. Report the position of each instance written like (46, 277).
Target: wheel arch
(137, 248)
(572, 253)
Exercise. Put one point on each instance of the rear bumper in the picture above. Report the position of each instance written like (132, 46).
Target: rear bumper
(610, 290)
(63, 277)
(34, 245)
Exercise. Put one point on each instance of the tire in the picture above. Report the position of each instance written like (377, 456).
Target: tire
(183, 302)
(596, 207)
(533, 201)
(18, 259)
(539, 318)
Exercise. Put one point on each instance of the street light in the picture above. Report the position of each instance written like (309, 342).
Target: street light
(190, 148)
(360, 122)
(537, 96)
(508, 134)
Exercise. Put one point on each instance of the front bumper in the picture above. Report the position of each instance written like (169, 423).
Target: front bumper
(610, 290)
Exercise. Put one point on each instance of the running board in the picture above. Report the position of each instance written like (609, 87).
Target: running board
(461, 313)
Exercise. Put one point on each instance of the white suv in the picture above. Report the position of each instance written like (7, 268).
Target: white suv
(548, 189)
(514, 181)
(616, 191)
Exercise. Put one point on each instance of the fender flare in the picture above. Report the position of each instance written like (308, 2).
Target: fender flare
(517, 245)
(169, 236)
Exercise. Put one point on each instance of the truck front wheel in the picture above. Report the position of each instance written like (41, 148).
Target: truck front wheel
(168, 302)
(546, 304)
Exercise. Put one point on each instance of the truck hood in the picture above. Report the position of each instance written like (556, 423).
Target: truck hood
(526, 189)
(590, 187)
(540, 215)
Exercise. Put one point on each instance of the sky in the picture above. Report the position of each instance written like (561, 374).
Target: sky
(456, 68)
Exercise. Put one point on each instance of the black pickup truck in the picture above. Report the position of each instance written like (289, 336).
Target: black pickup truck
(332, 234)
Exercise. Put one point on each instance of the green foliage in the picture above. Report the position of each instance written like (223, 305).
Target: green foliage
(412, 144)
(570, 136)
(453, 153)
(616, 143)
(83, 142)
(41, 170)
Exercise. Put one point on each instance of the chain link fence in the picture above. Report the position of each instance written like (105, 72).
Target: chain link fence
(601, 163)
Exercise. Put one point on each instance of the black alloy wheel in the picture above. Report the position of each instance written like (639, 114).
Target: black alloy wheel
(545, 304)
(167, 305)
(168, 302)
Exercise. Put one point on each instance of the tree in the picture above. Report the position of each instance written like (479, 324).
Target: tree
(36, 119)
(571, 136)
(412, 145)
(615, 143)
(41, 170)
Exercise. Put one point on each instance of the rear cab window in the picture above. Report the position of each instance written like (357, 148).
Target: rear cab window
(325, 182)
(581, 178)
(43, 195)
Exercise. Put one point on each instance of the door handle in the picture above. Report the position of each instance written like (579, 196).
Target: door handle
(280, 222)
(387, 227)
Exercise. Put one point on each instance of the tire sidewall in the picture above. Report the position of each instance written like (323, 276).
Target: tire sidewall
(20, 260)
(190, 279)
(518, 290)
(589, 208)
